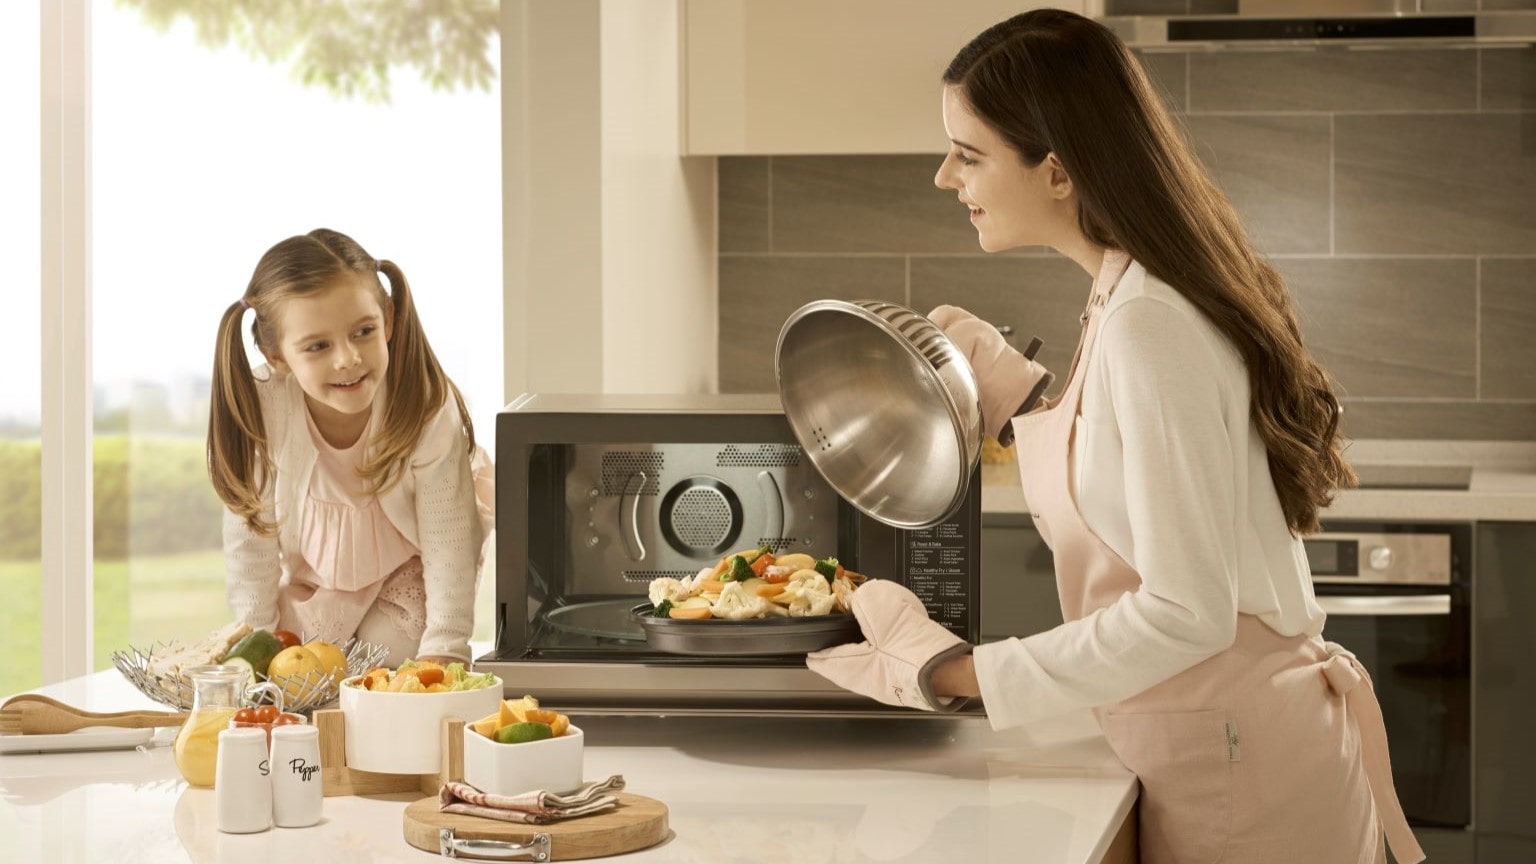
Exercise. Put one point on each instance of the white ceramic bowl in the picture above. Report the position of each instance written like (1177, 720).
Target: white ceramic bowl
(551, 765)
(402, 733)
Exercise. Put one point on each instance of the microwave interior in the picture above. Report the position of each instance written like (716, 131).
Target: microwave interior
(605, 519)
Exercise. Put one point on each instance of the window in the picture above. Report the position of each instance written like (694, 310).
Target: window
(20, 349)
(204, 155)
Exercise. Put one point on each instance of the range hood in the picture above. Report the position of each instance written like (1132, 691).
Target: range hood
(1261, 24)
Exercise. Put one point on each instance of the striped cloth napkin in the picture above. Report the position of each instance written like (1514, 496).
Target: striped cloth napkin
(532, 808)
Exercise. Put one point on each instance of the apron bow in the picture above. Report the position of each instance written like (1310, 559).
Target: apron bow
(1343, 670)
(1345, 673)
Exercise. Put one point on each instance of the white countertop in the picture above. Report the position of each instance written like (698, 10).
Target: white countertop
(1503, 486)
(739, 789)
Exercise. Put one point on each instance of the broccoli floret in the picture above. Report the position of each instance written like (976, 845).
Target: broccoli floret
(737, 571)
(828, 568)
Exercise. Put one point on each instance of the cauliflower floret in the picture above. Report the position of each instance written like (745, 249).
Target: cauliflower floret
(808, 593)
(737, 603)
(810, 604)
(667, 588)
(808, 576)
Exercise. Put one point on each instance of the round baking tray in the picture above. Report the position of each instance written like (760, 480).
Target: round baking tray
(719, 637)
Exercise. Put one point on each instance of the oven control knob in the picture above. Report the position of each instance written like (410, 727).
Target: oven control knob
(1381, 558)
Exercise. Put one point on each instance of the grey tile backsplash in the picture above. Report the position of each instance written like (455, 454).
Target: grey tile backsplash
(1395, 190)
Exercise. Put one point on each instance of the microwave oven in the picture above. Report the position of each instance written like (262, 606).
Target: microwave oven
(596, 495)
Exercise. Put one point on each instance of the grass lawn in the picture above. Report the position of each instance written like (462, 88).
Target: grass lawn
(136, 602)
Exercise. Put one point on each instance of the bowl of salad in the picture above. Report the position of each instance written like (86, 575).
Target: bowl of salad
(393, 717)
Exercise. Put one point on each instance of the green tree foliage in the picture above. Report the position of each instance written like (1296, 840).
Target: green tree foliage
(348, 46)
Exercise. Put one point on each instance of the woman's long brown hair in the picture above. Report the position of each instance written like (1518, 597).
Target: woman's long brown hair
(240, 462)
(1054, 82)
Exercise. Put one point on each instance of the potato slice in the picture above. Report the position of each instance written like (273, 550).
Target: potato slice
(697, 614)
(795, 561)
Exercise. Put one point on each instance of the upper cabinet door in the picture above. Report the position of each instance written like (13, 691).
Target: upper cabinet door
(825, 76)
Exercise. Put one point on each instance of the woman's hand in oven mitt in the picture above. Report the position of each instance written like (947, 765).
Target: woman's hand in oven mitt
(1010, 383)
(903, 646)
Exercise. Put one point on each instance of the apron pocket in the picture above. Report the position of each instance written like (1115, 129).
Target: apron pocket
(1184, 762)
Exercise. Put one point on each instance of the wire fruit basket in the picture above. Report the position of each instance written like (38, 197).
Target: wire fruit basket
(300, 694)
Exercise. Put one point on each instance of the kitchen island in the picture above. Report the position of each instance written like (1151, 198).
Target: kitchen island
(740, 789)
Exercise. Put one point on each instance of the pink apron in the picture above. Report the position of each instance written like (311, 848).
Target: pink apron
(1272, 750)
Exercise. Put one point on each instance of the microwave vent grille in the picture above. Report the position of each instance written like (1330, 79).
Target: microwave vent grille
(621, 469)
(648, 575)
(701, 518)
(761, 456)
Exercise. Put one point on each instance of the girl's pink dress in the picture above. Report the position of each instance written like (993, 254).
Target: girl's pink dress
(353, 556)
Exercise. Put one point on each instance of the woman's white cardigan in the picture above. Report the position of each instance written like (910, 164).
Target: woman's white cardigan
(433, 506)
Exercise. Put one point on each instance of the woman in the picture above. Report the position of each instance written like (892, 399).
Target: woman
(1193, 444)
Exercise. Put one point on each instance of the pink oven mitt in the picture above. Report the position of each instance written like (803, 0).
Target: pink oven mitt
(1010, 383)
(903, 646)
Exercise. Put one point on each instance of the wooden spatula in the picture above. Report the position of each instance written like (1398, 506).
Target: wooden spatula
(33, 714)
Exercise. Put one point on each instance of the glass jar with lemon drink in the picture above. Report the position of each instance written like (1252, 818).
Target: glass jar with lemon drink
(217, 693)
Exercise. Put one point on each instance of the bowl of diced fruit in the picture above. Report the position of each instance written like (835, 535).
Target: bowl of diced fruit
(523, 748)
(393, 717)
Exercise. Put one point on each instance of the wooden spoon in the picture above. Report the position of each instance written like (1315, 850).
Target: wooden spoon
(34, 714)
(49, 700)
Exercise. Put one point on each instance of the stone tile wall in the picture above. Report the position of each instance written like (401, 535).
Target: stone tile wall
(1396, 190)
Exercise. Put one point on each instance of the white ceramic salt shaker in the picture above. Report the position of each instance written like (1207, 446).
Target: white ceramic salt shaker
(296, 783)
(242, 790)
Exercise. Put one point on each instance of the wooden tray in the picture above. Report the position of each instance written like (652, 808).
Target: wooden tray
(638, 823)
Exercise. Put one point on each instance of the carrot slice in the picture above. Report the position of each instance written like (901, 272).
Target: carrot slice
(761, 563)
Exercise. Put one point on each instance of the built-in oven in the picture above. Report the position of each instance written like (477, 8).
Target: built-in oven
(1399, 595)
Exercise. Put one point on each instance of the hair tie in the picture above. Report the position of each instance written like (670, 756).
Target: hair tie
(244, 305)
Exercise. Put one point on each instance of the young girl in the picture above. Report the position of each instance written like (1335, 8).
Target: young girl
(356, 499)
(1194, 443)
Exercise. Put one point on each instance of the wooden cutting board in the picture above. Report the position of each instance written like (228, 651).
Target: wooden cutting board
(637, 823)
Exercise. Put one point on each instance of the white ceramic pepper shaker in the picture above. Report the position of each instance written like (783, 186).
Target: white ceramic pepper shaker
(242, 790)
(296, 782)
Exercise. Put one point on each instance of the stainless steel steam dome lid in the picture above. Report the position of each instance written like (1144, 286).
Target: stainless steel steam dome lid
(885, 406)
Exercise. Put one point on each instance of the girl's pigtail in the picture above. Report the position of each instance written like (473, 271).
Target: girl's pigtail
(417, 387)
(239, 464)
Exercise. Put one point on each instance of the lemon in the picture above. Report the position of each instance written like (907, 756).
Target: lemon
(518, 733)
(292, 667)
(332, 660)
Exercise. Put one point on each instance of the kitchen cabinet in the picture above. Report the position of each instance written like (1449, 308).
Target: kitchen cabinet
(824, 76)
(1504, 692)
